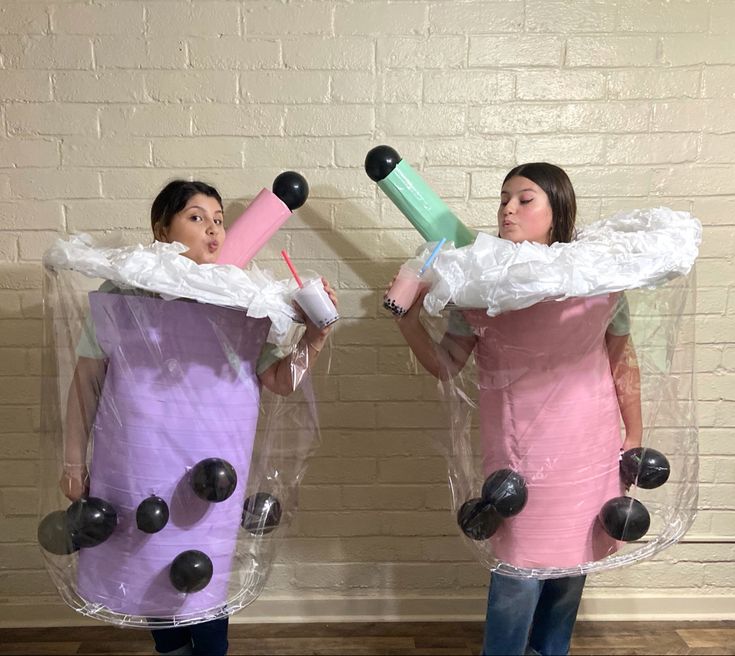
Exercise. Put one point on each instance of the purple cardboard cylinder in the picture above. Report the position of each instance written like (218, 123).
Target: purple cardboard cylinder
(181, 386)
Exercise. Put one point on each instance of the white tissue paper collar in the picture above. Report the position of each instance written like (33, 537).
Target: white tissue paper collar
(642, 248)
(160, 268)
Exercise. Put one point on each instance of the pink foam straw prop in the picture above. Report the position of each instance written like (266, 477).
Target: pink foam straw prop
(292, 268)
(181, 387)
(262, 218)
(548, 410)
(254, 227)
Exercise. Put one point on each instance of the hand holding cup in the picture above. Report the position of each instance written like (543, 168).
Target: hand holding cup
(317, 304)
(409, 285)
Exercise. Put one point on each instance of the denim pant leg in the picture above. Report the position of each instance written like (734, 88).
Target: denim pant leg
(556, 614)
(171, 639)
(511, 604)
(210, 638)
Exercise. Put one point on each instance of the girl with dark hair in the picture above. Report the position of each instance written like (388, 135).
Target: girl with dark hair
(531, 615)
(191, 213)
(556, 185)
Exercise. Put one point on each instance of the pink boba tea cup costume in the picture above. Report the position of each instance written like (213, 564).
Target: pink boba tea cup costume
(548, 408)
(549, 418)
(548, 411)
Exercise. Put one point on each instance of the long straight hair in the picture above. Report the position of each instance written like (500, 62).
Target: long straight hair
(558, 187)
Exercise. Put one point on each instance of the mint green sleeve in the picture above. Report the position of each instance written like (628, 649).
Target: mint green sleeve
(88, 346)
(269, 355)
(458, 326)
(620, 322)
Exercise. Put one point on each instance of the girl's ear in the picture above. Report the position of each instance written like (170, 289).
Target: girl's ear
(159, 232)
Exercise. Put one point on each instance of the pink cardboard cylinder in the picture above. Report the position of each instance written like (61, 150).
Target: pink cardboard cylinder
(549, 411)
(180, 387)
(254, 227)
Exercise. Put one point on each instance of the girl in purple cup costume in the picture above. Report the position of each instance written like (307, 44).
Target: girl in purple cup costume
(534, 409)
(190, 213)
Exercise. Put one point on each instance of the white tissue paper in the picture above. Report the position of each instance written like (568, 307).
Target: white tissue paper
(160, 268)
(642, 248)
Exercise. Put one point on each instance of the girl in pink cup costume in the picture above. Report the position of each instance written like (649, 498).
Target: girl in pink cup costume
(190, 213)
(551, 412)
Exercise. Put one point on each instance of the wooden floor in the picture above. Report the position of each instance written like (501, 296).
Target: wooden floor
(383, 639)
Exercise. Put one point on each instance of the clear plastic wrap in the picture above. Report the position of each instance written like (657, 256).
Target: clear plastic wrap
(572, 440)
(642, 248)
(185, 469)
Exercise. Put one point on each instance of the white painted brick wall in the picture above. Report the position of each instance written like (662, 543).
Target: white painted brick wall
(102, 102)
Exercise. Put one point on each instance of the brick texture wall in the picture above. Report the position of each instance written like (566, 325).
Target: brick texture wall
(102, 102)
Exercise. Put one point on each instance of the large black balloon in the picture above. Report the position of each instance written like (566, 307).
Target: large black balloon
(152, 514)
(191, 571)
(213, 479)
(380, 162)
(625, 518)
(261, 513)
(91, 521)
(477, 519)
(506, 491)
(644, 467)
(291, 188)
(54, 535)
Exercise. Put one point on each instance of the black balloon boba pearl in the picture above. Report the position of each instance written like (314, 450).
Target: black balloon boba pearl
(506, 490)
(380, 162)
(291, 188)
(213, 479)
(625, 518)
(191, 571)
(261, 513)
(477, 519)
(152, 514)
(645, 467)
(91, 521)
(54, 535)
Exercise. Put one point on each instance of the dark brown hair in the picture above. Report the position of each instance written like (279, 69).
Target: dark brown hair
(558, 187)
(174, 197)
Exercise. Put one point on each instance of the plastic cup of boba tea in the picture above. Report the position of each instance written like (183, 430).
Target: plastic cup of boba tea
(316, 303)
(405, 290)
(408, 284)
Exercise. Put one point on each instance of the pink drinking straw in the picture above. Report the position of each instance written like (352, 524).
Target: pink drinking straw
(290, 265)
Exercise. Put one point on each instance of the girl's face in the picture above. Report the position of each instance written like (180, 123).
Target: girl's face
(524, 213)
(200, 226)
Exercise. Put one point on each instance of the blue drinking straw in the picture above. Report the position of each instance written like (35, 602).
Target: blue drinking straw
(431, 257)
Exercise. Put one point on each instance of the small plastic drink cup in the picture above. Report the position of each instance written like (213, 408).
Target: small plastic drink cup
(405, 290)
(316, 303)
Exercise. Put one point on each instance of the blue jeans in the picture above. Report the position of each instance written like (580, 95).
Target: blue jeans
(531, 616)
(206, 639)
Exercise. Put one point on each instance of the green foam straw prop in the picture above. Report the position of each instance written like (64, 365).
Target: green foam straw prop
(414, 198)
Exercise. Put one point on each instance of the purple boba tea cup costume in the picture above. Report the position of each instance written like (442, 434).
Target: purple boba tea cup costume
(178, 527)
